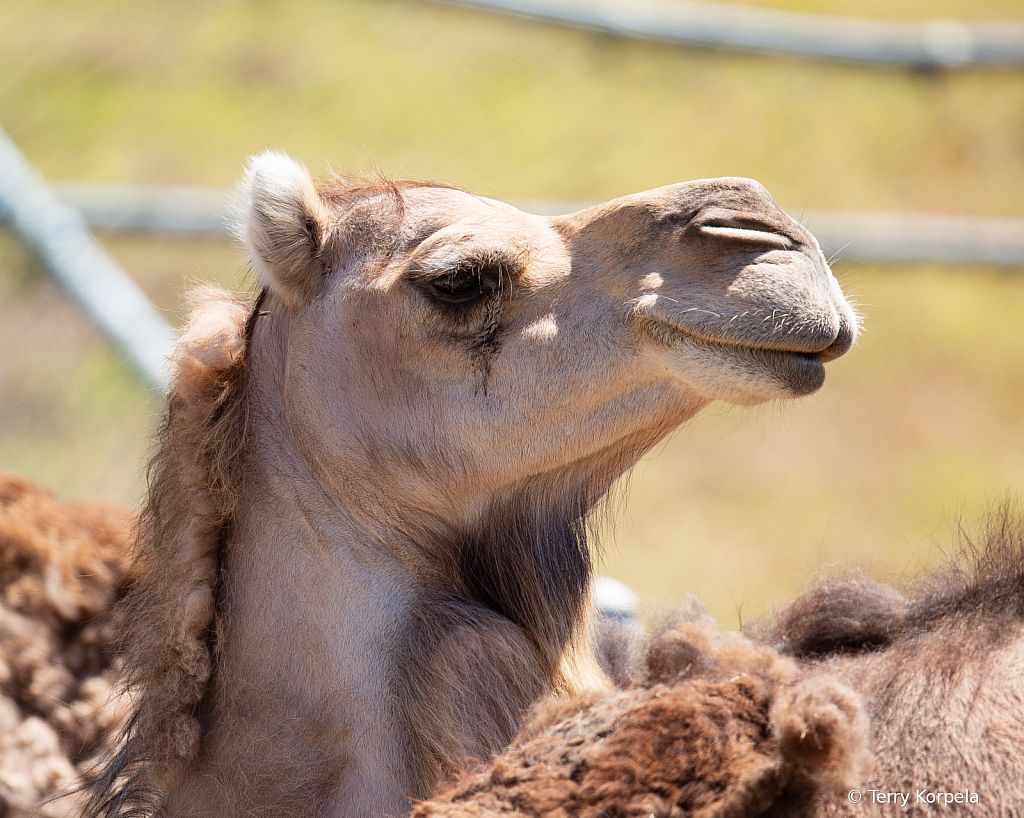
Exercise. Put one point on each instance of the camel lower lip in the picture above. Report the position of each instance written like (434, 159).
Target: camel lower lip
(802, 373)
(799, 373)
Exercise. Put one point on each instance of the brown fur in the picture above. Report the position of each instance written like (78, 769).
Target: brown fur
(713, 726)
(62, 566)
(941, 669)
(189, 507)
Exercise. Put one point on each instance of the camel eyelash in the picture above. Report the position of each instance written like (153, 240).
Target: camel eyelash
(467, 283)
(470, 281)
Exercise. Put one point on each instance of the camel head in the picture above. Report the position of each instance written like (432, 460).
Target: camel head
(458, 347)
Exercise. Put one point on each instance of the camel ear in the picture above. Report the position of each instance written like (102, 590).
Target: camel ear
(282, 221)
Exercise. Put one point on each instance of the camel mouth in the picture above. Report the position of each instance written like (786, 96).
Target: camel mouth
(800, 373)
(815, 343)
(766, 369)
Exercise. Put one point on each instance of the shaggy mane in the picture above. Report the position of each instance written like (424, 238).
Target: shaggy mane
(982, 583)
(168, 648)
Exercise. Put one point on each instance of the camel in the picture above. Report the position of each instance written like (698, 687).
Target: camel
(856, 700)
(709, 724)
(62, 568)
(940, 666)
(367, 536)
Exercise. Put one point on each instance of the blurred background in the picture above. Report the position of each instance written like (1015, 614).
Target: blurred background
(918, 430)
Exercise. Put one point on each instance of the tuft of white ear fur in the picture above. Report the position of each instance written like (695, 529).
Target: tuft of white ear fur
(282, 221)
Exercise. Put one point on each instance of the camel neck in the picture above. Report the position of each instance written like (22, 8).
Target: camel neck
(346, 659)
(307, 629)
(374, 658)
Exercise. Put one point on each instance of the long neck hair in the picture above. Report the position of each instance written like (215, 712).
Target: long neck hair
(169, 614)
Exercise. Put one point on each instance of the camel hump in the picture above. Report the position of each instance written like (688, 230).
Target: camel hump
(981, 586)
(847, 614)
(282, 220)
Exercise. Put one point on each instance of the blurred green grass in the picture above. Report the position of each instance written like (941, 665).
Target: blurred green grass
(919, 424)
(178, 93)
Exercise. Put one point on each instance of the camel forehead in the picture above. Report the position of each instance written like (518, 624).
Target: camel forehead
(726, 191)
(429, 209)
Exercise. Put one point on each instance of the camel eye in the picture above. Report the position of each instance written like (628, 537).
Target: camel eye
(465, 284)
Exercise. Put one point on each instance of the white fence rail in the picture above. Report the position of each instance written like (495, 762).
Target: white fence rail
(61, 237)
(877, 237)
(938, 43)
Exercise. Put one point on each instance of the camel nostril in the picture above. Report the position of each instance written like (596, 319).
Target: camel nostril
(840, 346)
(743, 227)
(754, 237)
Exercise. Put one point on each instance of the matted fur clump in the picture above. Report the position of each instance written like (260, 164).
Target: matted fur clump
(711, 725)
(62, 567)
